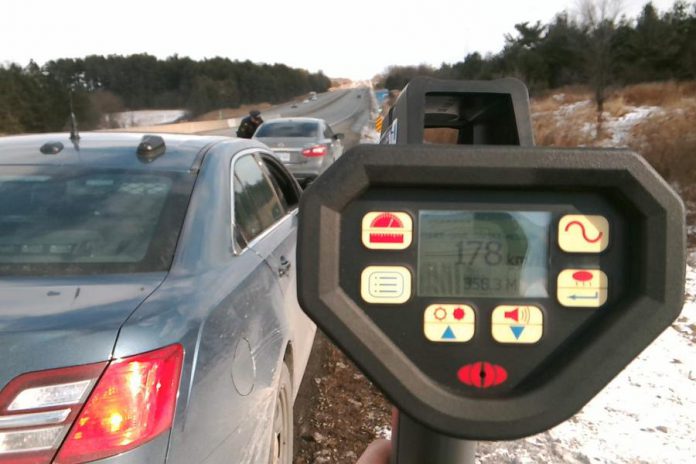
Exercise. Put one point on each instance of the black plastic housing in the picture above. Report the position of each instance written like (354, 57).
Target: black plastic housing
(481, 112)
(574, 371)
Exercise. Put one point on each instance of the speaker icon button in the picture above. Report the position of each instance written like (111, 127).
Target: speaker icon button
(517, 324)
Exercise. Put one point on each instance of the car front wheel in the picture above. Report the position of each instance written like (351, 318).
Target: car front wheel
(281, 440)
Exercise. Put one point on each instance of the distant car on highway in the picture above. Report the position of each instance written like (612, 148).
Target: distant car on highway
(148, 308)
(312, 96)
(307, 146)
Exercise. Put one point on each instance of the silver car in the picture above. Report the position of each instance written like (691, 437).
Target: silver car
(306, 146)
(148, 307)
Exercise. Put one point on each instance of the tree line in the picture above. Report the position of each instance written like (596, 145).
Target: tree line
(597, 47)
(37, 98)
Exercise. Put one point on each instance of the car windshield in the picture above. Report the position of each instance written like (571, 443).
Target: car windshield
(58, 221)
(288, 129)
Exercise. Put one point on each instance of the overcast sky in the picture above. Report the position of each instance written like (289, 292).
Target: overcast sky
(352, 38)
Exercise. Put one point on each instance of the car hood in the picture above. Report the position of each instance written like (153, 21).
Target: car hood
(53, 322)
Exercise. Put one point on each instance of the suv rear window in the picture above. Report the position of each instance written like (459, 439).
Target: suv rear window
(55, 221)
(288, 129)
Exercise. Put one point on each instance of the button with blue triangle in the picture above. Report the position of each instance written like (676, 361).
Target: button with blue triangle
(449, 323)
(517, 330)
(523, 324)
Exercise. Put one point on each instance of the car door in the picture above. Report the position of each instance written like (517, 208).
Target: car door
(283, 259)
(237, 299)
(257, 212)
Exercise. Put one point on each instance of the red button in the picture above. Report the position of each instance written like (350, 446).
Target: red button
(582, 276)
(387, 222)
(482, 374)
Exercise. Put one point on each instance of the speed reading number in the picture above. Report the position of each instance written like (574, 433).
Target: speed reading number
(489, 251)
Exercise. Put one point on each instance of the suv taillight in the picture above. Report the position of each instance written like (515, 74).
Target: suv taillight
(132, 402)
(315, 151)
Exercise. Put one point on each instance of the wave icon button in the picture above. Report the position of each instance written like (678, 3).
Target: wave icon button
(578, 233)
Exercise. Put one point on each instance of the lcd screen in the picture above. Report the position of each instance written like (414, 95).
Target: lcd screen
(483, 253)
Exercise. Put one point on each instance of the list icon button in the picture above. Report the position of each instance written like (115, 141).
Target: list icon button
(385, 284)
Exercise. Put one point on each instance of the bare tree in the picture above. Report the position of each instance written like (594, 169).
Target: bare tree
(599, 18)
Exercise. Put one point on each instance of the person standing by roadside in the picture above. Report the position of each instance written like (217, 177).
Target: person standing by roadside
(249, 124)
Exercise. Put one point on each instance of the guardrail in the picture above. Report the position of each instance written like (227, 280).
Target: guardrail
(191, 127)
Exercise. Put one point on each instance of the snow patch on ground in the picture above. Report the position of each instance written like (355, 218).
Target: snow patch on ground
(127, 119)
(691, 230)
(383, 432)
(368, 134)
(620, 128)
(570, 108)
(616, 131)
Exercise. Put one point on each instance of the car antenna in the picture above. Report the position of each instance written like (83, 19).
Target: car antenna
(74, 134)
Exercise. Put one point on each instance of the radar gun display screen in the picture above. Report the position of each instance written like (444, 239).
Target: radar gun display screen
(483, 253)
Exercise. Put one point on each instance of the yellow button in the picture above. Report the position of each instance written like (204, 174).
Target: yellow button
(578, 233)
(449, 323)
(517, 314)
(387, 230)
(584, 288)
(385, 284)
(517, 324)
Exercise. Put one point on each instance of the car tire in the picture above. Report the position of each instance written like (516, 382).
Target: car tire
(282, 428)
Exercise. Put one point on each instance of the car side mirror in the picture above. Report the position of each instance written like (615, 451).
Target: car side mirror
(338, 136)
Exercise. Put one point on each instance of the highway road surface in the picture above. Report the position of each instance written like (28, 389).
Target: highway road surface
(347, 111)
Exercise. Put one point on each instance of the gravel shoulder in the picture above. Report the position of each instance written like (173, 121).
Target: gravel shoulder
(338, 411)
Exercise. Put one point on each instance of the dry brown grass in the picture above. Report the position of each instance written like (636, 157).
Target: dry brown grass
(667, 139)
(571, 126)
(577, 126)
(440, 135)
(668, 142)
(552, 100)
(665, 94)
(568, 94)
(617, 106)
